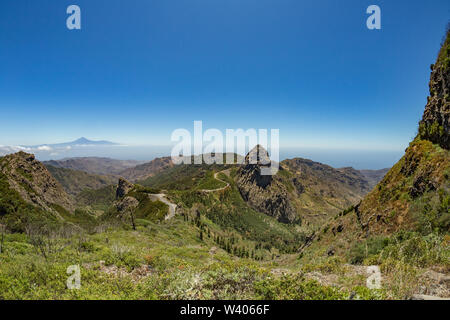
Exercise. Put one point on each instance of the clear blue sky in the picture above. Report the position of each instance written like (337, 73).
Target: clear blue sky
(140, 69)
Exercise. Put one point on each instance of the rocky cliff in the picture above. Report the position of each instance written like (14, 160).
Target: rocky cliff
(34, 183)
(264, 193)
(415, 193)
(302, 189)
(435, 124)
(123, 188)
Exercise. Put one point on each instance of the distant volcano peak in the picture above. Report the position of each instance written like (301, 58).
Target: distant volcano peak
(84, 141)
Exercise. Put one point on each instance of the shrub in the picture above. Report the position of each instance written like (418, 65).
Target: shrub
(363, 250)
(295, 287)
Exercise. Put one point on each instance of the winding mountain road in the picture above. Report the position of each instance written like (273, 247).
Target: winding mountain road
(218, 189)
(173, 207)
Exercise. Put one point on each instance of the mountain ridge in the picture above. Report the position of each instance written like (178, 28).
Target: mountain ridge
(78, 142)
(75, 181)
(94, 165)
(34, 183)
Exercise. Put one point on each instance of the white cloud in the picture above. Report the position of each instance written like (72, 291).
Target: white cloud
(44, 148)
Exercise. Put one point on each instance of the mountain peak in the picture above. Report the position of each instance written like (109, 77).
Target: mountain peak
(82, 140)
(23, 155)
(258, 156)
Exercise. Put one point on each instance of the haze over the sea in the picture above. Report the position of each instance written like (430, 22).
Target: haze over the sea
(359, 159)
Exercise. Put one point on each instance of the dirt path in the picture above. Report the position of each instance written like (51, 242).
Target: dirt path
(218, 189)
(172, 206)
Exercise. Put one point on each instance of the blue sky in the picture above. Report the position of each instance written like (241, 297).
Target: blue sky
(140, 69)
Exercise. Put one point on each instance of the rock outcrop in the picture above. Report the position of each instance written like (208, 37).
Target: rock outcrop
(264, 193)
(124, 203)
(123, 188)
(31, 179)
(435, 124)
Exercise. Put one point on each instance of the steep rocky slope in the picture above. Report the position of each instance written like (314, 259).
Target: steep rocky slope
(317, 190)
(415, 193)
(33, 182)
(435, 124)
(402, 226)
(264, 193)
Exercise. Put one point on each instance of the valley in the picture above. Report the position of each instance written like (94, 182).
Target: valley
(157, 230)
(139, 232)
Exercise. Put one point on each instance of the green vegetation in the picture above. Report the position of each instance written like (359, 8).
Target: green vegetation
(434, 130)
(295, 287)
(432, 212)
(228, 210)
(409, 247)
(186, 177)
(444, 53)
(217, 247)
(100, 199)
(208, 182)
(16, 213)
(159, 261)
(362, 250)
(74, 181)
(416, 189)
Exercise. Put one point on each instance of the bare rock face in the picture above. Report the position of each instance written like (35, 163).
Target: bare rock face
(421, 175)
(264, 193)
(126, 204)
(31, 179)
(435, 124)
(255, 160)
(123, 188)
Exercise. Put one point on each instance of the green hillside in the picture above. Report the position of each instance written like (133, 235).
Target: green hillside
(74, 181)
